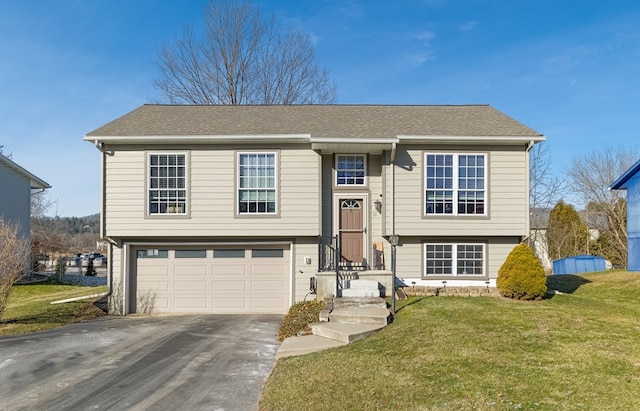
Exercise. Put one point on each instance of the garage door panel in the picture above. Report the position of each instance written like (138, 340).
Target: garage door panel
(229, 269)
(273, 269)
(160, 304)
(152, 270)
(237, 303)
(261, 304)
(228, 280)
(195, 286)
(191, 270)
(265, 286)
(190, 303)
(230, 285)
(153, 286)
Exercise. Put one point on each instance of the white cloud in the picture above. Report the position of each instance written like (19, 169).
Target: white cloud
(467, 26)
(417, 59)
(425, 36)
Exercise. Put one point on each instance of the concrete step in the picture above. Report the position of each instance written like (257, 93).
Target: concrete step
(362, 284)
(365, 315)
(345, 332)
(359, 302)
(306, 344)
(356, 292)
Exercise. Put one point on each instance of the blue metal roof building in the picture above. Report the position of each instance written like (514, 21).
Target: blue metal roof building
(630, 181)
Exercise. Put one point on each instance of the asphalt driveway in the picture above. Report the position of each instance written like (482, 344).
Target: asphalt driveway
(196, 362)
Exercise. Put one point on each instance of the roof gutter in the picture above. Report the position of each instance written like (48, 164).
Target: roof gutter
(200, 139)
(470, 139)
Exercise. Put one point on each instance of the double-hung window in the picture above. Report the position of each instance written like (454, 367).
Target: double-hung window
(257, 183)
(350, 170)
(455, 184)
(167, 183)
(454, 259)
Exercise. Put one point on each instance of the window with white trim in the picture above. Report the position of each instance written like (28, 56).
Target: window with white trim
(454, 260)
(350, 170)
(455, 184)
(167, 183)
(257, 186)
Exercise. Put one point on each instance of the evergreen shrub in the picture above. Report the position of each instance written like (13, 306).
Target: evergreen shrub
(522, 276)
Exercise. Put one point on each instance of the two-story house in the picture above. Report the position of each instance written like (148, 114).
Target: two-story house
(244, 208)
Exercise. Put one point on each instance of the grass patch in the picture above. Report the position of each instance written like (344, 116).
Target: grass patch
(29, 307)
(575, 351)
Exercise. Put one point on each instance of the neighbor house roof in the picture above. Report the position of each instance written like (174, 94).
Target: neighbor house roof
(620, 183)
(34, 181)
(320, 122)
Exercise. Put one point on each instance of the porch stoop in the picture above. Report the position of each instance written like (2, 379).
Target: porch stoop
(349, 320)
(361, 288)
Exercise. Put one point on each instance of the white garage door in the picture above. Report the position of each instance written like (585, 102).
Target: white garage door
(210, 279)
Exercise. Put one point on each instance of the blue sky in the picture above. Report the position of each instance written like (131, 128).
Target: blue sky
(569, 69)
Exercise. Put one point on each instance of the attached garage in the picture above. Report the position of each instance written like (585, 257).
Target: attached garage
(210, 279)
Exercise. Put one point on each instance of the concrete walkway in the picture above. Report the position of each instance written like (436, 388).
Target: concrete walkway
(349, 320)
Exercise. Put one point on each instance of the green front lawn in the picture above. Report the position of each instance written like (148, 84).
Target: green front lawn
(575, 351)
(29, 307)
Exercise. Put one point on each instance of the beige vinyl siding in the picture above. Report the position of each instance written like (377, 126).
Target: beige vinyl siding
(15, 197)
(212, 195)
(410, 256)
(375, 229)
(327, 195)
(116, 301)
(506, 196)
(304, 247)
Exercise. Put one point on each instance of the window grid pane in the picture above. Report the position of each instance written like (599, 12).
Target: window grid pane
(350, 170)
(257, 183)
(470, 259)
(167, 184)
(471, 184)
(455, 184)
(441, 260)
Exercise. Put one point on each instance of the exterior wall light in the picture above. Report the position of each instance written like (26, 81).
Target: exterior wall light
(378, 206)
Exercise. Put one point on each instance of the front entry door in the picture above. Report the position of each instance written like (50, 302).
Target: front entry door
(352, 231)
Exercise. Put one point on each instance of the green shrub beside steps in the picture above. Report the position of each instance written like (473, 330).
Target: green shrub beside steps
(522, 276)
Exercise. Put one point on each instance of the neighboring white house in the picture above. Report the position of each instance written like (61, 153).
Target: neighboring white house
(225, 209)
(16, 184)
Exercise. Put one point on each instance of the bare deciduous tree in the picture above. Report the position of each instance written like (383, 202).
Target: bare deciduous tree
(40, 202)
(546, 189)
(242, 59)
(14, 254)
(591, 177)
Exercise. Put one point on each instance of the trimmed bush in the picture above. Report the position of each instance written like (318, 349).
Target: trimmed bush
(299, 317)
(522, 276)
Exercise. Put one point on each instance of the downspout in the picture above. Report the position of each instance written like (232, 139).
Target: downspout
(393, 188)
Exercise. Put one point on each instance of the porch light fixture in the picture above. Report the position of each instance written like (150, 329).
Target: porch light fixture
(378, 206)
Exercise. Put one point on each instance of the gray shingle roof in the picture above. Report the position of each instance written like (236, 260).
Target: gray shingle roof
(341, 121)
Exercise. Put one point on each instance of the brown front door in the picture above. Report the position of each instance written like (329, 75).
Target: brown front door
(352, 230)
